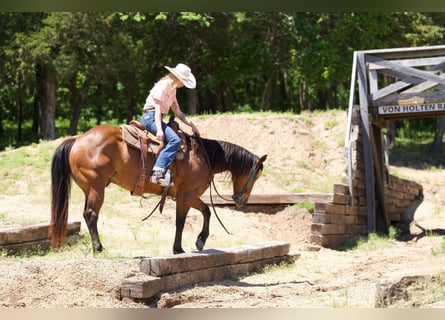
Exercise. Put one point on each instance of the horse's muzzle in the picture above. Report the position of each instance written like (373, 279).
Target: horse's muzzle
(240, 200)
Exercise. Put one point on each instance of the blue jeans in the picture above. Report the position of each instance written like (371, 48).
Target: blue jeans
(172, 141)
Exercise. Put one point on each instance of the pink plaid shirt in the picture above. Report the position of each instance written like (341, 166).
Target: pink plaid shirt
(162, 94)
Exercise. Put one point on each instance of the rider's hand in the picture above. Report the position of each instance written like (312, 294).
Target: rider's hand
(195, 129)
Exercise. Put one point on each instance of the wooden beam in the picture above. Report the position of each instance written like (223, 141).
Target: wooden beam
(272, 198)
(379, 171)
(205, 266)
(366, 139)
(408, 52)
(16, 238)
(211, 258)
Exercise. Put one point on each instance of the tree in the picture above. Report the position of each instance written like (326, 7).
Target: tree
(17, 82)
(34, 52)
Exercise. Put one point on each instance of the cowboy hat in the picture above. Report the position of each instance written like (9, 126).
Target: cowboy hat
(184, 74)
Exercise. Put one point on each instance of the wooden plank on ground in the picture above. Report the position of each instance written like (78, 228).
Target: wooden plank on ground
(208, 266)
(31, 232)
(44, 244)
(273, 198)
(143, 286)
(211, 258)
(15, 238)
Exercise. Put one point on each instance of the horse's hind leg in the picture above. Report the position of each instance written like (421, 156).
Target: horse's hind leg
(202, 237)
(93, 202)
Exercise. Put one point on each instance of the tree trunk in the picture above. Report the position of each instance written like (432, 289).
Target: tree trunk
(2, 130)
(302, 96)
(192, 101)
(228, 101)
(131, 108)
(322, 99)
(266, 97)
(285, 100)
(75, 105)
(46, 93)
(438, 136)
(35, 115)
(20, 97)
(391, 134)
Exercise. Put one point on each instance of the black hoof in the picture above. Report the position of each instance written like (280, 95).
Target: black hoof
(178, 251)
(199, 244)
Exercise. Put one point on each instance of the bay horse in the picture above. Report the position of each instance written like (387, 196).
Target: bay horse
(100, 156)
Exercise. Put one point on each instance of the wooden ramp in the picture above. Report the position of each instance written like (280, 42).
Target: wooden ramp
(33, 236)
(171, 272)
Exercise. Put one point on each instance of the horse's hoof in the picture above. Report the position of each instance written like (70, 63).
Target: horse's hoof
(199, 244)
(178, 251)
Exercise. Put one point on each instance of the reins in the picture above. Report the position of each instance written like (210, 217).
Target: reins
(154, 209)
(212, 181)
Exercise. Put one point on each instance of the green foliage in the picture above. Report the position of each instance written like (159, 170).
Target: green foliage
(414, 139)
(440, 250)
(244, 109)
(372, 242)
(106, 62)
(330, 124)
(308, 205)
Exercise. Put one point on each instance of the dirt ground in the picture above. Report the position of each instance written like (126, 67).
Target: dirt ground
(305, 153)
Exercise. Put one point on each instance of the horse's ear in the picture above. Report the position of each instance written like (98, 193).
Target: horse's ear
(262, 159)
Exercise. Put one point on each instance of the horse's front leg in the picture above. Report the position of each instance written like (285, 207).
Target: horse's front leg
(181, 215)
(202, 237)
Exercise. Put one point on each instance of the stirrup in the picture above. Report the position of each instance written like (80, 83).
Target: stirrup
(161, 177)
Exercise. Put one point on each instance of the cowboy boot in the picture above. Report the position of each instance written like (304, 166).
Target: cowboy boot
(162, 177)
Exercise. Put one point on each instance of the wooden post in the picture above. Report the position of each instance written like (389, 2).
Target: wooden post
(369, 172)
(382, 224)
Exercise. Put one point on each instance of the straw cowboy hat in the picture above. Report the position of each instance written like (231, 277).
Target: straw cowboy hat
(184, 74)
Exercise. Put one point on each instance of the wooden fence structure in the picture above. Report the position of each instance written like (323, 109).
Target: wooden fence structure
(400, 83)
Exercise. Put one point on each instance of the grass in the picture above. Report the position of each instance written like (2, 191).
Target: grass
(440, 249)
(318, 144)
(342, 301)
(372, 242)
(308, 205)
(328, 125)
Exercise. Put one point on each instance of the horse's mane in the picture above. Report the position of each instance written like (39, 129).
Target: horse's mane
(227, 156)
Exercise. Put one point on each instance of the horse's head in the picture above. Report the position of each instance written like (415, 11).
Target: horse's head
(242, 186)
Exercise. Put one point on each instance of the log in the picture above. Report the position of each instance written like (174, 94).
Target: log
(171, 272)
(272, 198)
(16, 238)
(143, 286)
(45, 244)
(210, 258)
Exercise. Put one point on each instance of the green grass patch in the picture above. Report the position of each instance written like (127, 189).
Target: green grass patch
(372, 242)
(330, 124)
(308, 205)
(319, 144)
(440, 249)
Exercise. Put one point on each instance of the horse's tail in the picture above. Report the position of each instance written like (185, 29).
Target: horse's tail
(60, 193)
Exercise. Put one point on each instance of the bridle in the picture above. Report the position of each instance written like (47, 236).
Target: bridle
(252, 177)
(236, 197)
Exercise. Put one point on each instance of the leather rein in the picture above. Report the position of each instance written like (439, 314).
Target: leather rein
(252, 175)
